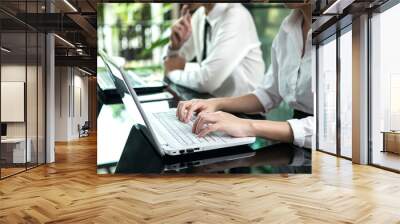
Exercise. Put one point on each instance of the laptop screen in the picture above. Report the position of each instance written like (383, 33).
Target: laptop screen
(123, 91)
(104, 79)
(130, 100)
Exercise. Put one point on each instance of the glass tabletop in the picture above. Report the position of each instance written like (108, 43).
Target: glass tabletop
(123, 148)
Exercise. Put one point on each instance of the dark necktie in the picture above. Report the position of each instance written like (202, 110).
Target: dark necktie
(206, 31)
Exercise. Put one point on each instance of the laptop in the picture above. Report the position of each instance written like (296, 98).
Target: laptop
(140, 85)
(169, 135)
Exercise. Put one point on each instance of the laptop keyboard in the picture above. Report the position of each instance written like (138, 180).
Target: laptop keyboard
(182, 132)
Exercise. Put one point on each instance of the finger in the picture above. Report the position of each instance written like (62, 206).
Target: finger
(186, 24)
(178, 108)
(185, 10)
(194, 107)
(174, 39)
(210, 128)
(177, 29)
(175, 33)
(187, 18)
(183, 110)
(185, 32)
(183, 26)
(179, 26)
(189, 25)
(191, 106)
(199, 117)
(187, 15)
(180, 32)
(200, 124)
(205, 120)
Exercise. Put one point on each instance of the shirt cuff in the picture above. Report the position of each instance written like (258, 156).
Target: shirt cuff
(263, 98)
(175, 75)
(299, 134)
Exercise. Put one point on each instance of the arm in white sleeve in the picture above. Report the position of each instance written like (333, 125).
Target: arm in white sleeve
(303, 130)
(229, 48)
(268, 93)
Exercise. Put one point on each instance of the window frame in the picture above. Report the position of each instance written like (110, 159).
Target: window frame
(334, 37)
(380, 9)
(340, 31)
(31, 30)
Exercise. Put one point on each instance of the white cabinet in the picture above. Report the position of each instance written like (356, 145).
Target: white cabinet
(16, 149)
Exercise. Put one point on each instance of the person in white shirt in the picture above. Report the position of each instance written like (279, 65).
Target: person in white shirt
(288, 78)
(222, 39)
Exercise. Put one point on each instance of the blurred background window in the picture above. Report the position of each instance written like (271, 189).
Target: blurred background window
(385, 89)
(327, 96)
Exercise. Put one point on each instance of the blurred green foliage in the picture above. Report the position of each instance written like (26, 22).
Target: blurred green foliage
(126, 18)
(131, 27)
(268, 19)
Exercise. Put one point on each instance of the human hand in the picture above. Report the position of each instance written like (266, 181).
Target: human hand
(174, 63)
(186, 109)
(181, 30)
(207, 122)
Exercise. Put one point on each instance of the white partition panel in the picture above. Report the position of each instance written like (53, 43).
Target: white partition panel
(12, 101)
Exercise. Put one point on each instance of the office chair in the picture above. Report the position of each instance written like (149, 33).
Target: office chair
(84, 130)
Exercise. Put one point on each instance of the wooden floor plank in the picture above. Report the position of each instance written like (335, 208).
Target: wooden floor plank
(70, 191)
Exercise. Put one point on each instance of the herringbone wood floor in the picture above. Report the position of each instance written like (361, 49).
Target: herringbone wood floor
(70, 191)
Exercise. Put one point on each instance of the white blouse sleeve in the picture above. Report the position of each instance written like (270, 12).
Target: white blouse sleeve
(268, 92)
(269, 96)
(303, 130)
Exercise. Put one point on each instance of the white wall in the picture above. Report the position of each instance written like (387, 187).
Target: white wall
(71, 94)
(12, 73)
(17, 73)
(314, 90)
(12, 101)
(79, 117)
(61, 103)
(34, 125)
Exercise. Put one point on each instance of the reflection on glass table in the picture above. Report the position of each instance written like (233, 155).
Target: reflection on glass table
(123, 148)
(114, 125)
(140, 157)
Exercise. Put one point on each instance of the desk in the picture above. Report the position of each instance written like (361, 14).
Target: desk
(139, 156)
(13, 150)
(123, 147)
(391, 141)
